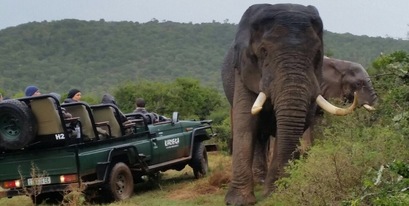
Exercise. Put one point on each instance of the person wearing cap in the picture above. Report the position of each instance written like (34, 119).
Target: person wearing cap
(74, 95)
(32, 91)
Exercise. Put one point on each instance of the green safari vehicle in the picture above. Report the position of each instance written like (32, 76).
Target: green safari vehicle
(34, 136)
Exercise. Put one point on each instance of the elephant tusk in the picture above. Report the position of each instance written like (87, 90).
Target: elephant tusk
(325, 105)
(258, 104)
(369, 108)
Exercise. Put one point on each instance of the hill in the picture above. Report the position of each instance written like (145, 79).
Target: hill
(95, 56)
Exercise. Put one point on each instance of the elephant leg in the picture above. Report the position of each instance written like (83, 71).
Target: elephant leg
(308, 137)
(241, 191)
(260, 160)
(230, 140)
(307, 140)
(272, 163)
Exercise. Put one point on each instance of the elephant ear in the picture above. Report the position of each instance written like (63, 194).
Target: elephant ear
(256, 18)
(318, 26)
(316, 20)
(243, 35)
(331, 85)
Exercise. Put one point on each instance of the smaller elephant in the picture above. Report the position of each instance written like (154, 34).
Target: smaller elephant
(342, 78)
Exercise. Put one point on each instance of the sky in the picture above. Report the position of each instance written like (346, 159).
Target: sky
(376, 18)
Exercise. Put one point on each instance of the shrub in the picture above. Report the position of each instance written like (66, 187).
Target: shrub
(358, 159)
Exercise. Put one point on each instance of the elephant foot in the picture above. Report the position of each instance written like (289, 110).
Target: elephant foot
(242, 197)
(268, 190)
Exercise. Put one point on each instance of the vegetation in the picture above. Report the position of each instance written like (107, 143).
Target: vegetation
(184, 95)
(96, 56)
(361, 159)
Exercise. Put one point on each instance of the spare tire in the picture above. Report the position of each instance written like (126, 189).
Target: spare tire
(18, 125)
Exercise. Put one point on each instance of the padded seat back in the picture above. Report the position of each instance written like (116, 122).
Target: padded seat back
(80, 110)
(104, 113)
(48, 118)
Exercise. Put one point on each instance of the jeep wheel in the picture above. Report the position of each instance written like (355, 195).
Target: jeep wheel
(17, 124)
(121, 182)
(199, 162)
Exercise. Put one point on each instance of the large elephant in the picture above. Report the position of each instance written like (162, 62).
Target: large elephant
(271, 77)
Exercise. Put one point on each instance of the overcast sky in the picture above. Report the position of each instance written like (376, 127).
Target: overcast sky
(384, 18)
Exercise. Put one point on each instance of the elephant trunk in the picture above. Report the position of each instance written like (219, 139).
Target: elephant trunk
(373, 98)
(293, 103)
(291, 119)
(291, 116)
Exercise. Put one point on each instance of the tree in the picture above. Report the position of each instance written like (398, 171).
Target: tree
(184, 95)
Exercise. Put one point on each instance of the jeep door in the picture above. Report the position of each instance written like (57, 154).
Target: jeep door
(170, 140)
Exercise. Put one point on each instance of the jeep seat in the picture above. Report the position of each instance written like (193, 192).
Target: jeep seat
(82, 110)
(48, 119)
(105, 113)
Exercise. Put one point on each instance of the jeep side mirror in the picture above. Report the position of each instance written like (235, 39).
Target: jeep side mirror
(175, 117)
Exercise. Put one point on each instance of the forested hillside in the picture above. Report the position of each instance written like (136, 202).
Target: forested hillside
(95, 56)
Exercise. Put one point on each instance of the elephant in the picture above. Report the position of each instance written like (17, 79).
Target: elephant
(341, 79)
(271, 77)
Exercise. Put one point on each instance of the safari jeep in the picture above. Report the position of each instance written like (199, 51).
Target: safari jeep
(34, 136)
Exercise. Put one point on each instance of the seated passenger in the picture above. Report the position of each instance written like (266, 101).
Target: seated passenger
(109, 99)
(140, 107)
(74, 95)
(32, 91)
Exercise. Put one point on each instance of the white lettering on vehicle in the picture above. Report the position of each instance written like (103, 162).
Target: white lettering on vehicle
(59, 136)
(170, 143)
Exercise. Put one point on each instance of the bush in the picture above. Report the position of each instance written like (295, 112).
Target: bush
(358, 159)
(185, 96)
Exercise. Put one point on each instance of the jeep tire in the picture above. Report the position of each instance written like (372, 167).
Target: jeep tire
(18, 126)
(199, 162)
(121, 184)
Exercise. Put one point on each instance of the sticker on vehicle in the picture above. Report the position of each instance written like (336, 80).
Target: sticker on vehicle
(171, 143)
(59, 136)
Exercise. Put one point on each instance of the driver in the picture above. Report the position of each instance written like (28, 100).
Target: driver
(140, 107)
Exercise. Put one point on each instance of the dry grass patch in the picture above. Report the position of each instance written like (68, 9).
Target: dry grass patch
(193, 191)
(218, 178)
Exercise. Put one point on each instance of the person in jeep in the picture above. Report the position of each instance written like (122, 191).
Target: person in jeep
(74, 95)
(32, 91)
(140, 107)
(109, 99)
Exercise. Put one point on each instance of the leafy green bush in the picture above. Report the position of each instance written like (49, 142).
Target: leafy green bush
(360, 159)
(184, 95)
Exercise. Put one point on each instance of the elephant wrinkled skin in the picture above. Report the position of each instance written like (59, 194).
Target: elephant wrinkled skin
(277, 51)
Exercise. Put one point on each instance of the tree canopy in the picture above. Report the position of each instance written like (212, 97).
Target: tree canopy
(96, 56)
